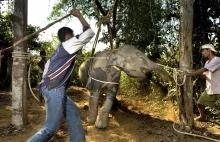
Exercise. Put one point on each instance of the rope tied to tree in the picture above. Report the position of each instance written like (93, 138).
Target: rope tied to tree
(20, 55)
(175, 75)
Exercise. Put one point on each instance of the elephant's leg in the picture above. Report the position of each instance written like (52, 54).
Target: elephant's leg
(102, 119)
(93, 107)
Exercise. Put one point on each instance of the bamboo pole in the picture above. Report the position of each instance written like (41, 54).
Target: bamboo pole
(37, 32)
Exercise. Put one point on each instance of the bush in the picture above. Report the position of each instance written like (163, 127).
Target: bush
(131, 86)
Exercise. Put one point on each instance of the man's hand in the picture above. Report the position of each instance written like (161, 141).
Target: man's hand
(75, 12)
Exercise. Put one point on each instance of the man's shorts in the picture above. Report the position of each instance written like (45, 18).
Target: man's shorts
(209, 100)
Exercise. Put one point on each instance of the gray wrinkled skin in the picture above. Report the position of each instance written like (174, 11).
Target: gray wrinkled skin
(108, 68)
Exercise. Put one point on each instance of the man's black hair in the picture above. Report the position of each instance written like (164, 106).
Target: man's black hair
(42, 52)
(62, 32)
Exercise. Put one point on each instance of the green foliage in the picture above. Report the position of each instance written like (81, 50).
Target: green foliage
(62, 7)
(131, 86)
(137, 21)
(5, 29)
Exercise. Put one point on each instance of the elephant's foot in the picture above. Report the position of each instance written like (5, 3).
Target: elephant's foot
(93, 108)
(102, 121)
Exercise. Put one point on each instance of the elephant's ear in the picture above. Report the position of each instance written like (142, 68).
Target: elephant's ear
(116, 59)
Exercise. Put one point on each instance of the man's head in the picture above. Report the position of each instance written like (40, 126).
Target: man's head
(43, 54)
(65, 34)
(208, 50)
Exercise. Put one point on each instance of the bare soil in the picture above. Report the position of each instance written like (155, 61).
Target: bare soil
(136, 119)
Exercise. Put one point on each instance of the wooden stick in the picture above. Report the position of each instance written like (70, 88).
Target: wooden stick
(37, 32)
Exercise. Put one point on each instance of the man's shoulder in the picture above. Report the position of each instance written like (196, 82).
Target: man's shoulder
(216, 59)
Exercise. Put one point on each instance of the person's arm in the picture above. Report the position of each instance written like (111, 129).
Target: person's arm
(76, 43)
(196, 72)
(41, 64)
(6, 51)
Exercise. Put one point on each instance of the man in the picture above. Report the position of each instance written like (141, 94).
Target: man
(54, 83)
(211, 72)
(42, 63)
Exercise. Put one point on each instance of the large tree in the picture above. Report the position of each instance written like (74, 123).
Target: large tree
(19, 98)
(186, 29)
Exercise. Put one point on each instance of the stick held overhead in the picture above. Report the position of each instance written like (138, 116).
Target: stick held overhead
(37, 32)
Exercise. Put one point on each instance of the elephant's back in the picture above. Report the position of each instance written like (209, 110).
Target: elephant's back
(101, 59)
(83, 72)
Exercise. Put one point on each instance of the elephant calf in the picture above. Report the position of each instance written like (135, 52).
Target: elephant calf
(102, 73)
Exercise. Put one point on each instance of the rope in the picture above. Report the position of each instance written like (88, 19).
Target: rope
(175, 78)
(103, 20)
(106, 82)
(96, 39)
(100, 58)
(195, 135)
(29, 84)
(109, 27)
(20, 55)
(111, 39)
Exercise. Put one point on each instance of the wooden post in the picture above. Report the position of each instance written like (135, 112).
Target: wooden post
(186, 63)
(19, 111)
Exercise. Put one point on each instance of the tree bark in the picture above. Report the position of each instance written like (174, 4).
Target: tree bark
(186, 63)
(19, 68)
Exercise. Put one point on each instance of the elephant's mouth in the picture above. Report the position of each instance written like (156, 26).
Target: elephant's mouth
(145, 71)
(137, 73)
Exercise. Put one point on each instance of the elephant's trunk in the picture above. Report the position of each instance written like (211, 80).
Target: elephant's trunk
(151, 66)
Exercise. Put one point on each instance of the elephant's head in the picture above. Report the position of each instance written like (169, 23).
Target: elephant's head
(135, 63)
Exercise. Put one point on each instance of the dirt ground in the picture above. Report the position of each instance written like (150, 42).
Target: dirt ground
(138, 119)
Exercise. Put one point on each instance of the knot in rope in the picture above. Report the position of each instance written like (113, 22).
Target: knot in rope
(175, 74)
(104, 19)
(20, 55)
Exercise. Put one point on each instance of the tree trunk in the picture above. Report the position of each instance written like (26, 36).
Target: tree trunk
(186, 63)
(19, 113)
